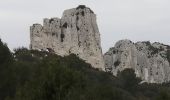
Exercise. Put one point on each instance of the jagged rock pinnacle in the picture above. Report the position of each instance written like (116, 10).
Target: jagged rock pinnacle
(76, 32)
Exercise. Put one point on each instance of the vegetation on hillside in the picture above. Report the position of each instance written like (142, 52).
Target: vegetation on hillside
(33, 75)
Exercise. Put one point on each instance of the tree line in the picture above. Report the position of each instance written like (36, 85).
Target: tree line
(36, 75)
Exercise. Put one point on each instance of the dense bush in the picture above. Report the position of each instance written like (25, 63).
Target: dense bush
(33, 75)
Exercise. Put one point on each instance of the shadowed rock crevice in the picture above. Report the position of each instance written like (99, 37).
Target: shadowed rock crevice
(62, 37)
(65, 25)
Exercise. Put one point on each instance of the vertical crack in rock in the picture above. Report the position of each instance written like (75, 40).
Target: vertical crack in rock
(77, 19)
(82, 13)
(62, 37)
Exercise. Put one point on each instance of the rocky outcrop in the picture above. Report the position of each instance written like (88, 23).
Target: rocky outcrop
(76, 32)
(151, 62)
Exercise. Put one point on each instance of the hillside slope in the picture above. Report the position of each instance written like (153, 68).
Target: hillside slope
(33, 75)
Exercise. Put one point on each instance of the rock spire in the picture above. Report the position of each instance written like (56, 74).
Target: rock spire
(76, 32)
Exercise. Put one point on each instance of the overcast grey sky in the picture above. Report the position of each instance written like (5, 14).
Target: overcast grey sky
(136, 20)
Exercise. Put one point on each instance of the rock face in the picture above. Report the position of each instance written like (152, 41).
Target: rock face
(76, 32)
(151, 62)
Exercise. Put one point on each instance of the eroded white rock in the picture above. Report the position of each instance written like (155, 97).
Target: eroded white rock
(76, 32)
(150, 61)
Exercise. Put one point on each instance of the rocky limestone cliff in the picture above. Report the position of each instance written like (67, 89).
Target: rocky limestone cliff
(151, 62)
(76, 32)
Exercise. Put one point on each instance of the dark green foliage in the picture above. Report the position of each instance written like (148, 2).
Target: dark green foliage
(81, 7)
(52, 82)
(6, 59)
(128, 79)
(33, 75)
(5, 55)
(163, 95)
(151, 48)
(147, 43)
